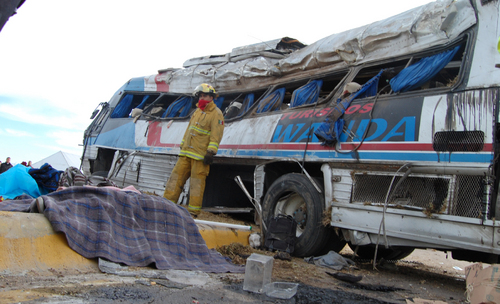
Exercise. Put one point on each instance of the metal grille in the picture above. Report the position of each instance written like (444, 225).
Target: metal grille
(413, 191)
(468, 200)
(454, 195)
(145, 171)
(458, 141)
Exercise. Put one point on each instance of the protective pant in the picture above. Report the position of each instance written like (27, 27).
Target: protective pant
(184, 168)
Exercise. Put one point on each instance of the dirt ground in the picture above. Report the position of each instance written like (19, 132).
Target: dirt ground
(425, 274)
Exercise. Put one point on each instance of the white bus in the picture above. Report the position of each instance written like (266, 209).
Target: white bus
(385, 134)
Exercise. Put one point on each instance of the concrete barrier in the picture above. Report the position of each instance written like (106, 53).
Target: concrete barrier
(215, 235)
(28, 243)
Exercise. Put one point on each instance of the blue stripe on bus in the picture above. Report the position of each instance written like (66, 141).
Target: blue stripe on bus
(407, 156)
(135, 84)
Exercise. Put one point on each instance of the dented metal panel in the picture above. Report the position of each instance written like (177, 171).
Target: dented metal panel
(442, 231)
(432, 24)
(486, 59)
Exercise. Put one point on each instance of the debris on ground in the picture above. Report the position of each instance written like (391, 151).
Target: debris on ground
(236, 252)
(331, 260)
(482, 283)
(372, 287)
(345, 277)
(283, 256)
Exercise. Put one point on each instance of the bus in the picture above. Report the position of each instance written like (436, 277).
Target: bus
(382, 137)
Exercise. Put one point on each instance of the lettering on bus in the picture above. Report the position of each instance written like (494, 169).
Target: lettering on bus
(392, 121)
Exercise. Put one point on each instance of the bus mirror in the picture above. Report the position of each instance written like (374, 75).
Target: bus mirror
(94, 114)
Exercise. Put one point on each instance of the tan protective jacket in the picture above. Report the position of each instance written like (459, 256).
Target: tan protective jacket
(203, 133)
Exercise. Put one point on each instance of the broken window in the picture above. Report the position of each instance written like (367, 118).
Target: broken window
(301, 93)
(421, 72)
(239, 107)
(164, 106)
(130, 102)
(272, 101)
(436, 70)
(307, 94)
(179, 108)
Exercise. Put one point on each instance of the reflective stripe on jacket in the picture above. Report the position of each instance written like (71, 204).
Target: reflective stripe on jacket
(203, 133)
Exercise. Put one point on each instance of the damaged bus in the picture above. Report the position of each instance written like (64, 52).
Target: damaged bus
(383, 137)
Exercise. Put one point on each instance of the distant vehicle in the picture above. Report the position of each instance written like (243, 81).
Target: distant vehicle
(385, 134)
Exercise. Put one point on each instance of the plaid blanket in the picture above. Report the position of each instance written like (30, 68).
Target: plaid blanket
(127, 227)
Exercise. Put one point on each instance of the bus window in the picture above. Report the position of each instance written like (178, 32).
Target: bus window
(272, 101)
(306, 94)
(170, 106)
(439, 70)
(239, 104)
(391, 69)
(130, 102)
(179, 108)
(436, 70)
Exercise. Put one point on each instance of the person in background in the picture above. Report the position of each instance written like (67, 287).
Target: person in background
(30, 164)
(24, 164)
(198, 147)
(5, 166)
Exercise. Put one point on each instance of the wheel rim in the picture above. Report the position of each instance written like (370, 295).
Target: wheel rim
(295, 206)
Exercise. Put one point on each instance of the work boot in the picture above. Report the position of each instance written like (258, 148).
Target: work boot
(193, 210)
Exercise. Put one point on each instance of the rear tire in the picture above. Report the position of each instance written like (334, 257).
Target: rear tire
(293, 194)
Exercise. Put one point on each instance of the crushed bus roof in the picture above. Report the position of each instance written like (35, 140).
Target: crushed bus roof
(434, 24)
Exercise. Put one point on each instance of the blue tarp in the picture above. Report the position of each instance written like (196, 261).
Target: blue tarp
(179, 108)
(46, 177)
(17, 181)
(419, 73)
(123, 108)
(272, 101)
(329, 131)
(306, 94)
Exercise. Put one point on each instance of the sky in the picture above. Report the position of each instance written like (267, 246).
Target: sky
(60, 58)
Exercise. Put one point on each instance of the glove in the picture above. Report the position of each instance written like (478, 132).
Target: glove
(209, 158)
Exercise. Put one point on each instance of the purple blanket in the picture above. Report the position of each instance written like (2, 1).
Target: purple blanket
(127, 227)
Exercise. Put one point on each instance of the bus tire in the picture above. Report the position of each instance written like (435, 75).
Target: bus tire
(294, 194)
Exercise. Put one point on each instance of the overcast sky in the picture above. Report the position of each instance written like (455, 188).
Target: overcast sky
(60, 58)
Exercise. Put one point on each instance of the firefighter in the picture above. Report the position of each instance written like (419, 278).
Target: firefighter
(198, 147)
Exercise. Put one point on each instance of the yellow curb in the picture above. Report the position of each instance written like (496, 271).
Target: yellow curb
(218, 236)
(28, 243)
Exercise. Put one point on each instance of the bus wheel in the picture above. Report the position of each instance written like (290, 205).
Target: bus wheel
(293, 194)
(392, 254)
